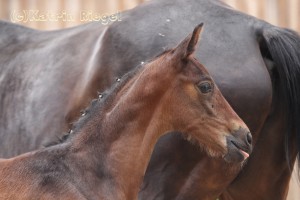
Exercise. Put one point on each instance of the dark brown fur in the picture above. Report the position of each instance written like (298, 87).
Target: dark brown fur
(248, 58)
(108, 153)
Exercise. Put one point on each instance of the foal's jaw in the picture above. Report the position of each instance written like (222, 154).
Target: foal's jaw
(233, 146)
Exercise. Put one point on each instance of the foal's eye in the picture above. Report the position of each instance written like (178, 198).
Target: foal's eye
(205, 87)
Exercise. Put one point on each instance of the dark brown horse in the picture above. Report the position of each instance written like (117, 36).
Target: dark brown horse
(111, 145)
(258, 70)
(43, 85)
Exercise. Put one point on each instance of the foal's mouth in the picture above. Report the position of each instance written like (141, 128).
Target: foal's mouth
(238, 150)
(243, 151)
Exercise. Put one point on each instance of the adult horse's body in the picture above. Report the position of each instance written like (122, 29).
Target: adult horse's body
(236, 49)
(40, 72)
(263, 59)
(108, 152)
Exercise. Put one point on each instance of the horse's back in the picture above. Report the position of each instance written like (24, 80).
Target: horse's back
(39, 73)
(35, 175)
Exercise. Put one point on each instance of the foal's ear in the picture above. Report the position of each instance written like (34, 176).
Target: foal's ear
(188, 45)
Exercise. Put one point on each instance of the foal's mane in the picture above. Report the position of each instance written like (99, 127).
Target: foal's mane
(104, 99)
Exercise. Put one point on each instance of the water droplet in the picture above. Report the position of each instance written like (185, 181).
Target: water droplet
(160, 34)
(142, 63)
(118, 79)
(168, 20)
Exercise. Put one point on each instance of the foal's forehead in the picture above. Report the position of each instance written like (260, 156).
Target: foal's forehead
(197, 64)
(170, 61)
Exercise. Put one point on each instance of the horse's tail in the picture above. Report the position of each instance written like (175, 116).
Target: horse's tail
(283, 47)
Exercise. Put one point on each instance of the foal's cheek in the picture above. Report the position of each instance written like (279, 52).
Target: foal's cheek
(192, 92)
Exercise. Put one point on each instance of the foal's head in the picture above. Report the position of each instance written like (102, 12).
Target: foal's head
(193, 104)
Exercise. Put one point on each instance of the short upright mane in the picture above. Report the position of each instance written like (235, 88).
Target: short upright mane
(104, 99)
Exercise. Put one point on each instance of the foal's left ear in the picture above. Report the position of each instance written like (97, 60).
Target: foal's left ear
(188, 46)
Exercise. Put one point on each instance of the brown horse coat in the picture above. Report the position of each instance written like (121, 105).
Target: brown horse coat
(107, 154)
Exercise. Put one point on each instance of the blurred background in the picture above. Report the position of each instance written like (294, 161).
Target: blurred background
(67, 13)
(57, 14)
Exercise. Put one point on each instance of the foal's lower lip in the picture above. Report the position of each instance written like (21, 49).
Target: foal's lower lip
(245, 154)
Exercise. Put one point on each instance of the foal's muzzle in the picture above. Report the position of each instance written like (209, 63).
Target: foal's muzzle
(239, 145)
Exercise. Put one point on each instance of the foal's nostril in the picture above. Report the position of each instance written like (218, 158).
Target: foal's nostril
(249, 138)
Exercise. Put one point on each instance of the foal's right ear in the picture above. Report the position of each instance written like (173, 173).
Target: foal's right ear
(188, 46)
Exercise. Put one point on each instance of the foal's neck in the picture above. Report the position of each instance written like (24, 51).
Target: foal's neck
(125, 138)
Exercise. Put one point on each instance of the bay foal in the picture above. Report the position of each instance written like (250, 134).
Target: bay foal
(107, 154)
